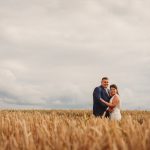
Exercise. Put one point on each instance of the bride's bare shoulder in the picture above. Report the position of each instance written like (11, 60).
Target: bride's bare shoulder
(117, 97)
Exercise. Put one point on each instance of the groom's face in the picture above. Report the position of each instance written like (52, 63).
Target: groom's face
(105, 83)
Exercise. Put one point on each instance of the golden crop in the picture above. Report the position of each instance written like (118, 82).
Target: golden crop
(73, 130)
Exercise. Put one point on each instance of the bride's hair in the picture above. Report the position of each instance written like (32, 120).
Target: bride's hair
(114, 86)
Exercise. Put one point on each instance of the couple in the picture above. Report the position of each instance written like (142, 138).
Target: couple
(106, 102)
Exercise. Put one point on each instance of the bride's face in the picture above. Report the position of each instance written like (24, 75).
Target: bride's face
(113, 91)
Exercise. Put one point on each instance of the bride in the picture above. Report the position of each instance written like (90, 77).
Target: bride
(114, 104)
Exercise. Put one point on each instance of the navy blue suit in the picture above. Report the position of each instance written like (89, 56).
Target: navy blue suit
(99, 107)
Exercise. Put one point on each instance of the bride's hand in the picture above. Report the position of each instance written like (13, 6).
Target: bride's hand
(110, 109)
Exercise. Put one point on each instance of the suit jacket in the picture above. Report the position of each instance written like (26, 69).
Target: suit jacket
(99, 107)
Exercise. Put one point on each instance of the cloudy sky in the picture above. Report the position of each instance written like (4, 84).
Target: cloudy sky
(53, 53)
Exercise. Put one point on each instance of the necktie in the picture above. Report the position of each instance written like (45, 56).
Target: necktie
(107, 91)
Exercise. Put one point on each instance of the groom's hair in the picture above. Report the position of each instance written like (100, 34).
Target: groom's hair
(105, 78)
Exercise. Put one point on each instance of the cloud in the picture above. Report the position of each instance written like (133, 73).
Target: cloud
(54, 53)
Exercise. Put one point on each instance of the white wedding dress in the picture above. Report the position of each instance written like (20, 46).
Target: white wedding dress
(115, 115)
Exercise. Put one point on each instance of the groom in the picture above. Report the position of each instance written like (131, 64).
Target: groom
(101, 91)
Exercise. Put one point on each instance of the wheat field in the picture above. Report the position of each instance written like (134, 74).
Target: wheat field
(73, 130)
